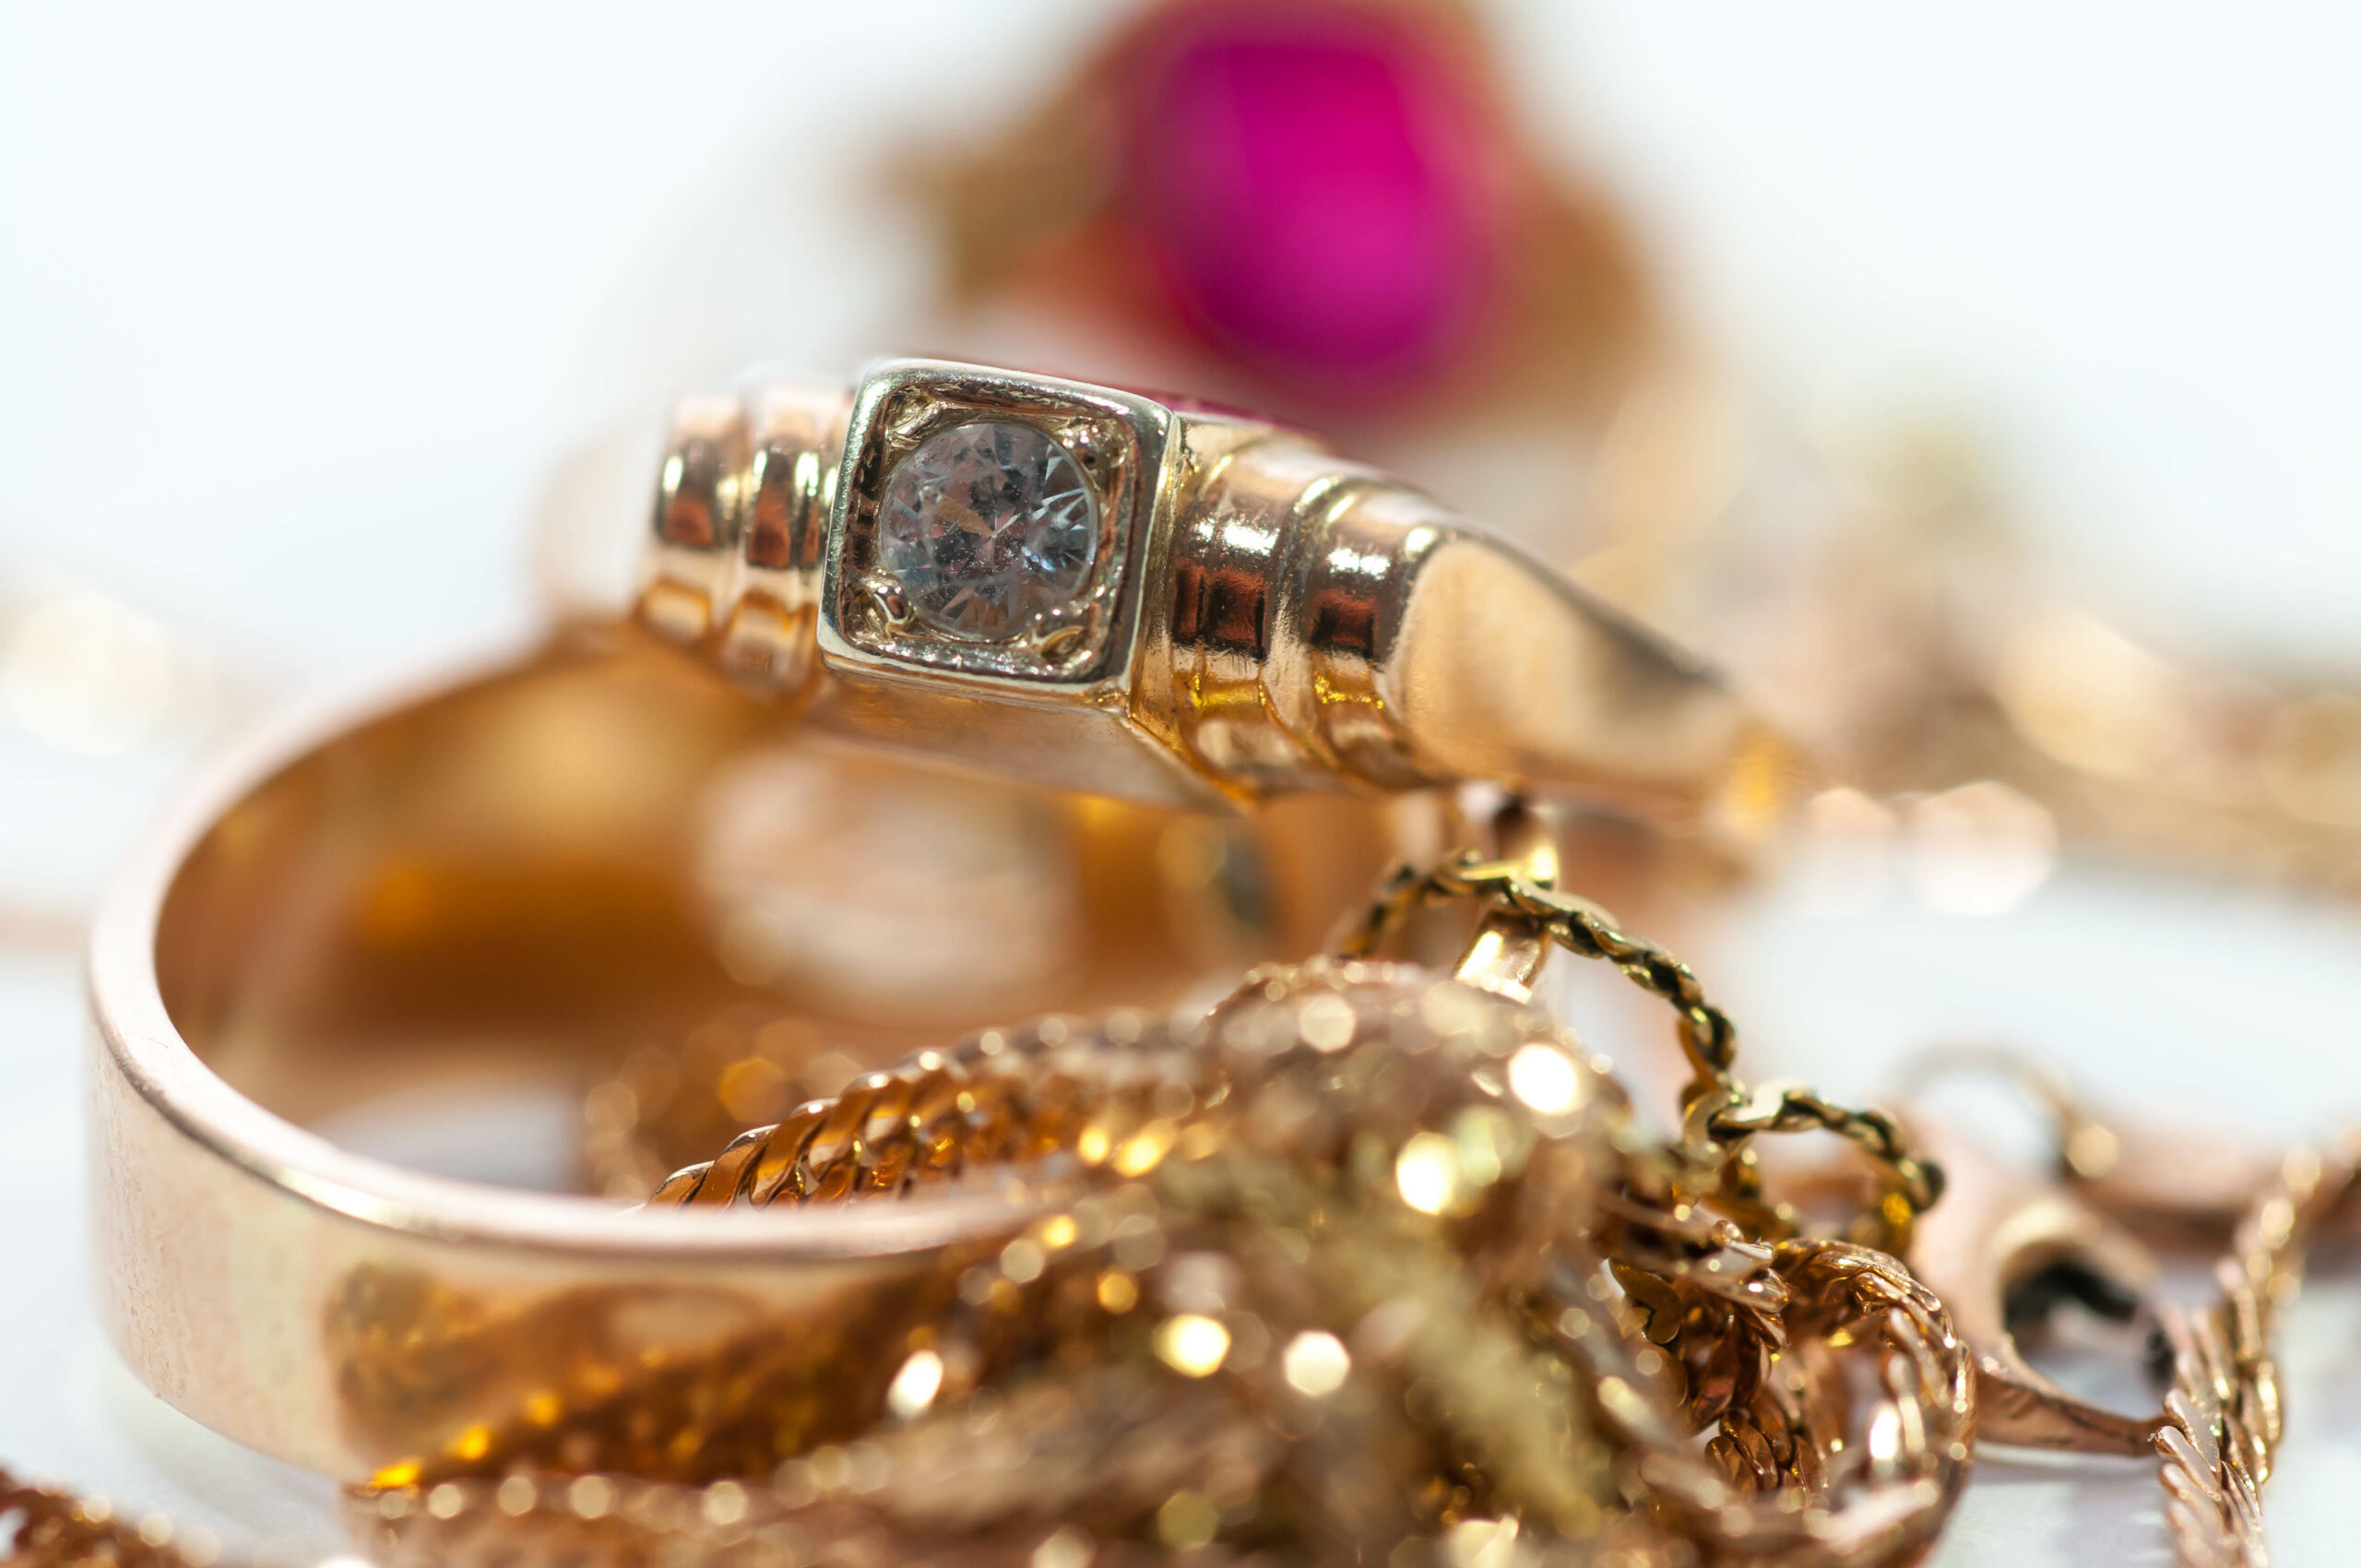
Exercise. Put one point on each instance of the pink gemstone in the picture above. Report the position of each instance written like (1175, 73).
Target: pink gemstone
(1319, 187)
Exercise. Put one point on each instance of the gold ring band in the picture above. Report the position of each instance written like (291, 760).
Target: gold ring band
(1256, 616)
(478, 878)
(241, 1261)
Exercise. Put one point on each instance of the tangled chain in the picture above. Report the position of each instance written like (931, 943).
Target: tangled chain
(1720, 1117)
(1415, 1180)
(1368, 1263)
(2223, 1414)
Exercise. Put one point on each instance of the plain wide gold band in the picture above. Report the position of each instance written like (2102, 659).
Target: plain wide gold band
(478, 878)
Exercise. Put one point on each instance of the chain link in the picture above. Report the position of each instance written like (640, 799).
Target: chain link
(2223, 1413)
(1581, 927)
(1720, 1117)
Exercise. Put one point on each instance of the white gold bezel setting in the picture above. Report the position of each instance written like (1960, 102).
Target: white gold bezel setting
(1080, 650)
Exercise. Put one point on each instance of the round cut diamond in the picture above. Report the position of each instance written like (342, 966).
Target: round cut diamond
(986, 526)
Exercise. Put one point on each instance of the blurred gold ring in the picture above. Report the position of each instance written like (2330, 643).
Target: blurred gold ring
(1090, 588)
(485, 881)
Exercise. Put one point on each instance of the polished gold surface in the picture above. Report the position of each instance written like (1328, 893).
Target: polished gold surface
(1267, 617)
(1997, 1233)
(496, 883)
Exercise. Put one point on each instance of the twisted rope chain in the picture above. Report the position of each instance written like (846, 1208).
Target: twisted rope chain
(1736, 1335)
(1003, 1098)
(2225, 1418)
(1720, 1114)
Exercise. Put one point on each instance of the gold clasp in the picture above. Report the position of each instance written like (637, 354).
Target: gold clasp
(2008, 1244)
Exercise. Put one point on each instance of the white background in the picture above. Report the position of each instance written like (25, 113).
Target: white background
(300, 307)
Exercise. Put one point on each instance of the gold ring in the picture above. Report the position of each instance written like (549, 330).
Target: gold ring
(1090, 589)
(491, 880)
(499, 874)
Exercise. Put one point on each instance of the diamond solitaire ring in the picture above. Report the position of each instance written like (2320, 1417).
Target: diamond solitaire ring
(1082, 587)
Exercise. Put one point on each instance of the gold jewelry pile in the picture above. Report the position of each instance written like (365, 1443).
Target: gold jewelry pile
(1368, 1263)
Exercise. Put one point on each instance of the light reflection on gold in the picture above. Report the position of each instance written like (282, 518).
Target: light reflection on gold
(915, 1386)
(1325, 1022)
(1067, 1547)
(1350, 1237)
(1316, 1363)
(1426, 1172)
(1544, 1078)
(590, 1496)
(1118, 1292)
(1187, 1520)
(1192, 1344)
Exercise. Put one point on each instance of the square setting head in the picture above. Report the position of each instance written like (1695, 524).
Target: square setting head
(992, 529)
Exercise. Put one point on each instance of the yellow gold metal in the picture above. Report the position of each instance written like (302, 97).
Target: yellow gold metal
(1258, 1212)
(416, 1333)
(1994, 1232)
(1720, 1116)
(497, 878)
(1267, 617)
(2225, 1418)
(482, 884)
(1508, 949)
(1396, 1075)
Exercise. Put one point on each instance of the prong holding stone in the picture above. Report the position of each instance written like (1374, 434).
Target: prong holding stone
(1061, 646)
(885, 600)
(907, 417)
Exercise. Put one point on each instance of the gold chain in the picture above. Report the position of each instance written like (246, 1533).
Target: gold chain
(1719, 1113)
(1456, 1140)
(1004, 1098)
(1771, 1434)
(1707, 1035)
(1716, 1330)
(2223, 1412)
